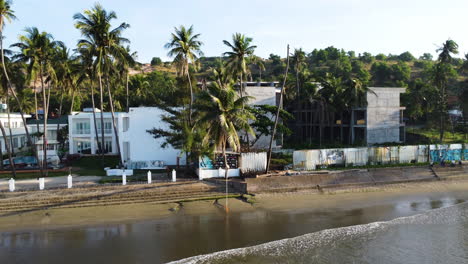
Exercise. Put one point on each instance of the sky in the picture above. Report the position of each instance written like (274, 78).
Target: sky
(375, 26)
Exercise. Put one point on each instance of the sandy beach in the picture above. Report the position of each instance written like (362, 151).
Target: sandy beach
(335, 199)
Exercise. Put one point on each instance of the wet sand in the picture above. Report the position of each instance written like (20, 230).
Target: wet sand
(329, 200)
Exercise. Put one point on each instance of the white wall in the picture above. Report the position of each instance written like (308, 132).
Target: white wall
(143, 146)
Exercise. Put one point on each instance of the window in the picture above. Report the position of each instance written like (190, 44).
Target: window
(82, 128)
(126, 124)
(6, 125)
(83, 147)
(23, 141)
(108, 145)
(15, 142)
(107, 127)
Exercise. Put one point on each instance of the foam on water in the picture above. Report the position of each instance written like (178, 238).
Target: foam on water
(437, 236)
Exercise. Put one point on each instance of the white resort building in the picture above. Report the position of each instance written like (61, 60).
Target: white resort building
(82, 132)
(139, 149)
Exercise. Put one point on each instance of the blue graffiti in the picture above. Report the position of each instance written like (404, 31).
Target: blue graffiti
(439, 155)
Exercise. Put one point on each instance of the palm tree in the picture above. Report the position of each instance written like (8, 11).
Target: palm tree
(441, 74)
(449, 47)
(106, 46)
(184, 46)
(298, 59)
(241, 49)
(86, 70)
(257, 61)
(38, 49)
(223, 109)
(7, 15)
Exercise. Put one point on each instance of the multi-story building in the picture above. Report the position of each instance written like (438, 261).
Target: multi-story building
(139, 149)
(262, 93)
(82, 131)
(18, 131)
(380, 121)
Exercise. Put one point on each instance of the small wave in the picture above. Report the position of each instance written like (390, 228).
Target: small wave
(323, 246)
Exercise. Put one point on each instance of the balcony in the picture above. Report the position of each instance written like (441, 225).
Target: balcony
(82, 131)
(107, 131)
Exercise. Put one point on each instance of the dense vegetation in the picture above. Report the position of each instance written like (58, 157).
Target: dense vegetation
(203, 95)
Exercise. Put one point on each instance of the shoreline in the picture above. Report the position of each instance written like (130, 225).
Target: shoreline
(92, 216)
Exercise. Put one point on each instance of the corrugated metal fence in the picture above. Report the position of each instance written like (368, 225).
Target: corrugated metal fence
(253, 162)
(311, 159)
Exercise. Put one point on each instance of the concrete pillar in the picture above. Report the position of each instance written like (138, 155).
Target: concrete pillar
(69, 182)
(11, 184)
(124, 179)
(174, 179)
(41, 184)
(149, 177)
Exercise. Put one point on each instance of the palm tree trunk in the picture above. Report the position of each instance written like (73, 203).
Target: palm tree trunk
(94, 117)
(59, 115)
(283, 88)
(126, 89)
(241, 91)
(9, 125)
(191, 97)
(1, 155)
(7, 146)
(116, 132)
(44, 136)
(72, 101)
(226, 170)
(102, 118)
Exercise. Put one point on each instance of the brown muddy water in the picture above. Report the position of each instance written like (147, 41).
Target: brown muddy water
(313, 222)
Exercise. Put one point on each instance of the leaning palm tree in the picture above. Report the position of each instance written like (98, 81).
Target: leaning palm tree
(448, 48)
(184, 46)
(106, 45)
(223, 109)
(241, 49)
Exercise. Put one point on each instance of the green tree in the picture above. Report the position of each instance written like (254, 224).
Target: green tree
(106, 46)
(406, 56)
(298, 60)
(223, 109)
(156, 61)
(426, 57)
(441, 73)
(241, 48)
(184, 47)
(38, 49)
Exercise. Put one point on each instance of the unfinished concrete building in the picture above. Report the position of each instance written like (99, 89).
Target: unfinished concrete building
(381, 121)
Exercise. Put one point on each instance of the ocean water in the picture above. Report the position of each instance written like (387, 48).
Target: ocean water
(437, 236)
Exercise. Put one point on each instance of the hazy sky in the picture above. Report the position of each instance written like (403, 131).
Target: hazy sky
(376, 26)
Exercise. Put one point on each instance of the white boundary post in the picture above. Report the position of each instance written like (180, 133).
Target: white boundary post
(41, 184)
(149, 177)
(174, 179)
(124, 179)
(11, 184)
(69, 182)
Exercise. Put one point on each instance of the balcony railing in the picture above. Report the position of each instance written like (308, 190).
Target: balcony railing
(82, 131)
(106, 131)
